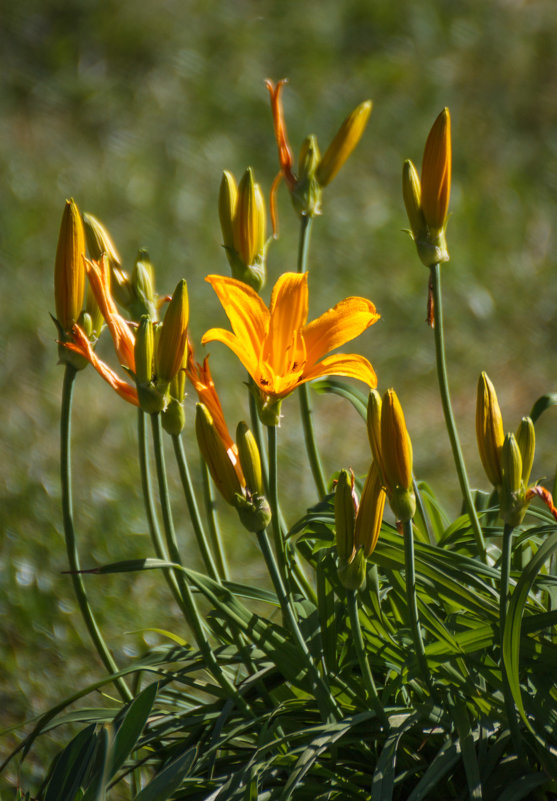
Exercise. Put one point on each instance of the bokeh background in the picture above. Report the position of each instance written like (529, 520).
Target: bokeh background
(134, 109)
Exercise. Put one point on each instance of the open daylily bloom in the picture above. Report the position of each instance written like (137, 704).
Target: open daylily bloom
(276, 345)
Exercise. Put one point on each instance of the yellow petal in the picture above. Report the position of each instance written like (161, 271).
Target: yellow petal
(345, 321)
(350, 365)
(289, 311)
(248, 315)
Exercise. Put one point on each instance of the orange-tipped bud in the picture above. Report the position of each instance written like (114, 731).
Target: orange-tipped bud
(396, 449)
(436, 172)
(69, 270)
(374, 429)
(216, 456)
(526, 441)
(346, 139)
(173, 339)
(370, 512)
(489, 429)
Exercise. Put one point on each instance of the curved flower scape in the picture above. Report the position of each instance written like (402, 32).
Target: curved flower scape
(277, 347)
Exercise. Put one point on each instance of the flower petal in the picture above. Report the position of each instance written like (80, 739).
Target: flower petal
(289, 311)
(82, 346)
(99, 278)
(236, 345)
(345, 321)
(351, 365)
(248, 315)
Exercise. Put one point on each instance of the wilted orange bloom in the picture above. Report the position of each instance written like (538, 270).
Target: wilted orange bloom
(286, 159)
(276, 345)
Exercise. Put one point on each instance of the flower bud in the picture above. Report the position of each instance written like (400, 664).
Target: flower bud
(489, 429)
(99, 240)
(173, 418)
(69, 269)
(396, 449)
(526, 441)
(374, 429)
(352, 575)
(436, 173)
(250, 459)
(306, 195)
(255, 512)
(412, 194)
(345, 517)
(512, 492)
(370, 512)
(151, 400)
(142, 284)
(216, 456)
(249, 220)
(228, 197)
(346, 139)
(173, 338)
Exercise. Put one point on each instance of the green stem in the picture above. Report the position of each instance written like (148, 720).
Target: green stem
(274, 503)
(412, 602)
(198, 528)
(448, 412)
(193, 616)
(212, 518)
(510, 706)
(69, 534)
(363, 661)
(305, 402)
(326, 701)
(152, 522)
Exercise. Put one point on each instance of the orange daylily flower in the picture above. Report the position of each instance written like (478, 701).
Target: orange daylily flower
(202, 381)
(276, 345)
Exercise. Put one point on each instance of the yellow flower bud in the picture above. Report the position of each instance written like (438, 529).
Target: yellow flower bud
(374, 429)
(216, 456)
(436, 172)
(346, 139)
(151, 400)
(396, 449)
(249, 220)
(173, 338)
(512, 492)
(69, 269)
(412, 194)
(370, 512)
(489, 429)
(526, 441)
(345, 517)
(250, 459)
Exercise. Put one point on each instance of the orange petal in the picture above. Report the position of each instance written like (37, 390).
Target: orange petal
(345, 321)
(286, 158)
(124, 341)
(82, 346)
(289, 311)
(351, 365)
(202, 380)
(248, 315)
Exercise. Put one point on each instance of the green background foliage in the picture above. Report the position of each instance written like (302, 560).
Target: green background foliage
(134, 110)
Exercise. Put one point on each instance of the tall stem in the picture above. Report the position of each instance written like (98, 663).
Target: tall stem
(193, 616)
(305, 402)
(327, 703)
(213, 521)
(412, 602)
(152, 522)
(363, 661)
(448, 412)
(280, 547)
(198, 528)
(69, 534)
(510, 706)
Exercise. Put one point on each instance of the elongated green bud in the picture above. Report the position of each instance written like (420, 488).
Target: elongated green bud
(143, 288)
(173, 339)
(99, 240)
(489, 429)
(216, 456)
(144, 351)
(396, 448)
(306, 195)
(370, 512)
(249, 221)
(228, 197)
(374, 429)
(512, 492)
(345, 517)
(250, 459)
(346, 139)
(412, 194)
(526, 441)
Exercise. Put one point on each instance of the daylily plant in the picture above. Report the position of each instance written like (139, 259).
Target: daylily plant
(277, 346)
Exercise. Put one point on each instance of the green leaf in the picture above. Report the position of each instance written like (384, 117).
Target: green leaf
(132, 725)
(469, 756)
(169, 779)
(447, 756)
(383, 782)
(542, 404)
(72, 766)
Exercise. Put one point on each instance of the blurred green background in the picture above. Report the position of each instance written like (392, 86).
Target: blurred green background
(134, 110)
